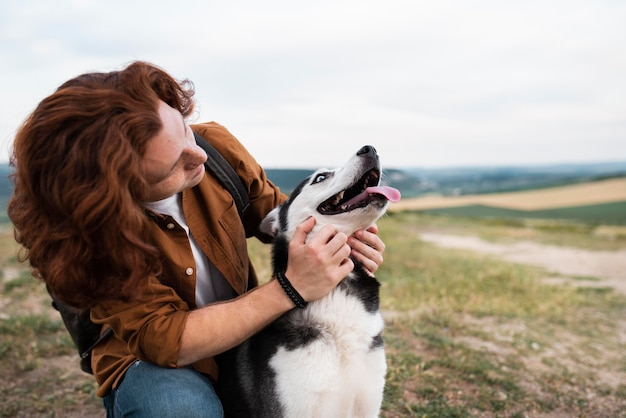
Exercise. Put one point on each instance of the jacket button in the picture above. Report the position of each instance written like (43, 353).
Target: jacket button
(189, 271)
(170, 226)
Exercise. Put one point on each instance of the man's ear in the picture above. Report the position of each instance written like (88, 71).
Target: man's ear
(271, 223)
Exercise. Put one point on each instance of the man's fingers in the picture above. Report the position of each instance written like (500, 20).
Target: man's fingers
(373, 228)
(303, 230)
(367, 238)
(347, 265)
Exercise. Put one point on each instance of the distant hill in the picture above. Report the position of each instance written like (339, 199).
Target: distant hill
(6, 188)
(596, 202)
(575, 194)
(479, 180)
(459, 181)
(455, 181)
(288, 179)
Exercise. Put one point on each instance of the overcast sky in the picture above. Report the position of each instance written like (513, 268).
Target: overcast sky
(307, 83)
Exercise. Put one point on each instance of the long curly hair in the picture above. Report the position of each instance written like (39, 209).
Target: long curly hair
(79, 186)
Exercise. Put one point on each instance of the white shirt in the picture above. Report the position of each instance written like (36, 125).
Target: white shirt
(211, 286)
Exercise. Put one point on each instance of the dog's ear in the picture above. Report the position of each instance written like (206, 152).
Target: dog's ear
(271, 223)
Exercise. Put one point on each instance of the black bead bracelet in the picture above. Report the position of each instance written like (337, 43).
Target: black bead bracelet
(291, 291)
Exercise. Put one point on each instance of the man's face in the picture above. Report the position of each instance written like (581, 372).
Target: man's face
(172, 161)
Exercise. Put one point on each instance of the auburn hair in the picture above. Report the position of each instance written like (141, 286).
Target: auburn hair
(79, 186)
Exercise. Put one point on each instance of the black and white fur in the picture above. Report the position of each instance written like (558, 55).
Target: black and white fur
(327, 360)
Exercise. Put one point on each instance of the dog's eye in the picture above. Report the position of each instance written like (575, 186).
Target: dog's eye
(319, 178)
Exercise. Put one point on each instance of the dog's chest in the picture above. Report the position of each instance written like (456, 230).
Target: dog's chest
(339, 361)
(333, 332)
(339, 320)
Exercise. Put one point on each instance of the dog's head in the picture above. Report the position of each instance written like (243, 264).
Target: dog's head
(350, 198)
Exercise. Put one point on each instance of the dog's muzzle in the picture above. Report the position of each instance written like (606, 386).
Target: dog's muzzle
(364, 192)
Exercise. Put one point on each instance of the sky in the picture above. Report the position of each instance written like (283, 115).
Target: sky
(304, 84)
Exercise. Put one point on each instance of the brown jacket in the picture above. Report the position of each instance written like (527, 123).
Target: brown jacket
(150, 328)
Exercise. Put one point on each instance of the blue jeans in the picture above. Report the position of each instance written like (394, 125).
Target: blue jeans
(152, 391)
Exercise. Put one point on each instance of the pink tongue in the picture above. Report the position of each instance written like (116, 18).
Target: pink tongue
(391, 194)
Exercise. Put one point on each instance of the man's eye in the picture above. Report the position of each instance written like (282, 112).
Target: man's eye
(319, 178)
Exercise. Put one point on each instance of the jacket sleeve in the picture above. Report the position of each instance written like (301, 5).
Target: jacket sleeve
(263, 194)
(151, 325)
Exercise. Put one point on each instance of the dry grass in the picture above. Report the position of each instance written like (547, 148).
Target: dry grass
(40, 372)
(606, 191)
(466, 335)
(471, 336)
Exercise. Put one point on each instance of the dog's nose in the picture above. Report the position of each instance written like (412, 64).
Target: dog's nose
(368, 149)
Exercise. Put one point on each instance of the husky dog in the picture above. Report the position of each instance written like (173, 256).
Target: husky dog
(326, 360)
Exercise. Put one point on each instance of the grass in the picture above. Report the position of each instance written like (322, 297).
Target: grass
(606, 213)
(466, 335)
(40, 368)
(591, 194)
(545, 231)
(471, 336)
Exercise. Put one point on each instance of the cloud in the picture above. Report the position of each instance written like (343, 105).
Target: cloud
(427, 83)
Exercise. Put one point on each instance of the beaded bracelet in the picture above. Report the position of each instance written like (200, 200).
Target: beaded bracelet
(290, 291)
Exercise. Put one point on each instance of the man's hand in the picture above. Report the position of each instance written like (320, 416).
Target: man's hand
(316, 267)
(367, 248)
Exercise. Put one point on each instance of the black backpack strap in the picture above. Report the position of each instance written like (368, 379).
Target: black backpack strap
(226, 174)
(85, 334)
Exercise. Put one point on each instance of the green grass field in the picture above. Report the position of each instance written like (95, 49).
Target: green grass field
(607, 213)
(471, 336)
(466, 335)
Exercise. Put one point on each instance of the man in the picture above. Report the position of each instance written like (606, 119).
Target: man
(117, 214)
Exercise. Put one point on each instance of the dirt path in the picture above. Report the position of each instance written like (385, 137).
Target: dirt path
(583, 267)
